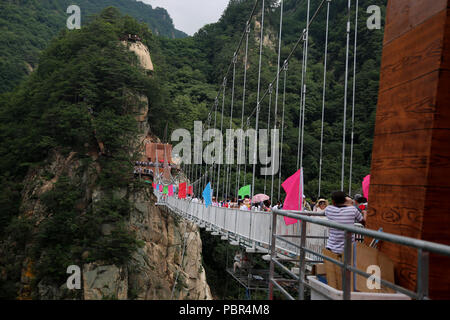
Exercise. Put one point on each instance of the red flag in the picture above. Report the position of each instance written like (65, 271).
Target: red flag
(182, 190)
(154, 185)
(191, 190)
(294, 188)
(365, 185)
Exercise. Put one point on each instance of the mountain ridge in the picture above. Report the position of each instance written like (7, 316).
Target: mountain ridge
(27, 27)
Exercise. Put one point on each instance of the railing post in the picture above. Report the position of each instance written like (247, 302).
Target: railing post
(225, 222)
(346, 274)
(214, 225)
(235, 225)
(250, 235)
(422, 274)
(203, 212)
(302, 266)
(272, 254)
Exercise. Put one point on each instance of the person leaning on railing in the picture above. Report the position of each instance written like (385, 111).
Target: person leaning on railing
(341, 211)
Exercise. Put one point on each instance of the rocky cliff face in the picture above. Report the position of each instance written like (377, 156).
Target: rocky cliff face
(160, 262)
(154, 267)
(152, 272)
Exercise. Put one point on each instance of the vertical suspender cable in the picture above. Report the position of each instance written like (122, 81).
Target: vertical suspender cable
(268, 129)
(242, 138)
(353, 103)
(209, 137)
(221, 147)
(247, 125)
(216, 104)
(191, 169)
(277, 88)
(305, 67)
(195, 181)
(257, 98)
(323, 98)
(223, 182)
(231, 145)
(186, 172)
(202, 167)
(345, 97)
(301, 103)
(285, 69)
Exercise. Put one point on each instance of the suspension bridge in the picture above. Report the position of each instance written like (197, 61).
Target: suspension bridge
(301, 244)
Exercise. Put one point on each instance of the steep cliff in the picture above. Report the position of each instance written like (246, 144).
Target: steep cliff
(152, 269)
(79, 204)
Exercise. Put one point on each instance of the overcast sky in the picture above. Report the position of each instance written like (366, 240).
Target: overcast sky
(190, 15)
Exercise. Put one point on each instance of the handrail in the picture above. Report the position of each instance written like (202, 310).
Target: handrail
(403, 240)
(423, 247)
(234, 224)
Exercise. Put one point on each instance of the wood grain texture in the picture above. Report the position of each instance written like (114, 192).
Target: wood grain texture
(410, 174)
(415, 103)
(414, 54)
(404, 15)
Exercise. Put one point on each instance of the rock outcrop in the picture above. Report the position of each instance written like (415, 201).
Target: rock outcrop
(142, 53)
(157, 270)
(157, 263)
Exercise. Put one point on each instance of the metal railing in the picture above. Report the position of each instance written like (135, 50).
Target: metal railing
(267, 233)
(424, 248)
(251, 229)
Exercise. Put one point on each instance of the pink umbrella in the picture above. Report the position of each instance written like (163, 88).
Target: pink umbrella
(260, 197)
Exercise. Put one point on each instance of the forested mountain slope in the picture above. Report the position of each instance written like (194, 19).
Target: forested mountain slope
(27, 26)
(197, 66)
(69, 135)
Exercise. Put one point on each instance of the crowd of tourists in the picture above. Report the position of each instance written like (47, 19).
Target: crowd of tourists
(318, 206)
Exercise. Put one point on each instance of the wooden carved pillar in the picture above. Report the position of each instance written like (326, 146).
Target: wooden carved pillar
(410, 175)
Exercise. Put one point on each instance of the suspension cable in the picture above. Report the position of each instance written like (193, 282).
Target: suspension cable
(238, 47)
(353, 103)
(245, 163)
(261, 39)
(216, 103)
(304, 87)
(262, 97)
(221, 147)
(222, 89)
(345, 97)
(285, 68)
(243, 104)
(209, 138)
(268, 128)
(323, 98)
(277, 87)
(231, 147)
(301, 105)
(291, 53)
